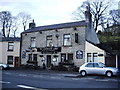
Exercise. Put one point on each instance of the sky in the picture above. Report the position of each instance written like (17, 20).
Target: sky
(44, 12)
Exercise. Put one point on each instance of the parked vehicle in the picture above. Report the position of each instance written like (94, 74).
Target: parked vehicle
(4, 66)
(98, 69)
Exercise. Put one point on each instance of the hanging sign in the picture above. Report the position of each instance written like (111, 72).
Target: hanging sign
(23, 54)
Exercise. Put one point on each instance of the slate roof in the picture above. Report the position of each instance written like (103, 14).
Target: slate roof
(9, 39)
(56, 26)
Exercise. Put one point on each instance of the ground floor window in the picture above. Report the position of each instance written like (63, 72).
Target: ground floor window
(95, 57)
(67, 57)
(63, 57)
(10, 60)
(32, 57)
(92, 57)
(70, 58)
(89, 57)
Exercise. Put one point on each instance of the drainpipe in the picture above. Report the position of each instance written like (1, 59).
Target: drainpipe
(116, 61)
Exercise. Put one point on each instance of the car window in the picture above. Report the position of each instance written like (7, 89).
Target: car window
(101, 64)
(96, 65)
(89, 65)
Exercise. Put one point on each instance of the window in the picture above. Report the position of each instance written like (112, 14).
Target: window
(10, 46)
(96, 65)
(10, 60)
(49, 41)
(76, 37)
(63, 57)
(89, 65)
(88, 57)
(33, 42)
(95, 57)
(34, 57)
(67, 40)
(30, 57)
(70, 58)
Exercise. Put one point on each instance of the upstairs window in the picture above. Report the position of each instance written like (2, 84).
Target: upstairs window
(67, 40)
(33, 42)
(49, 41)
(10, 46)
(76, 37)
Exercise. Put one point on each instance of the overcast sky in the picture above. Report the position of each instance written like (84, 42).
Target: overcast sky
(44, 12)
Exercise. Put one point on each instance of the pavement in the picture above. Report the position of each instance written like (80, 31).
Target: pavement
(46, 72)
(56, 73)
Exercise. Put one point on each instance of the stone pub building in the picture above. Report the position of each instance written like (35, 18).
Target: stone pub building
(52, 44)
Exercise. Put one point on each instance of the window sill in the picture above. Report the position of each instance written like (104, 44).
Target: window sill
(10, 50)
(67, 45)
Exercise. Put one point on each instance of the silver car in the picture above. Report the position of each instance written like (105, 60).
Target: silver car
(4, 66)
(97, 68)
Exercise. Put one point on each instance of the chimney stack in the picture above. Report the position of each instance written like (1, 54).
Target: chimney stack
(88, 16)
(32, 25)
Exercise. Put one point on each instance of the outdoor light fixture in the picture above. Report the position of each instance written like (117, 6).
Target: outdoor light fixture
(75, 28)
(57, 35)
(40, 32)
(26, 34)
(56, 30)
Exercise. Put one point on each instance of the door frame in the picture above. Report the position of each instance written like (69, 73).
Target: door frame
(48, 61)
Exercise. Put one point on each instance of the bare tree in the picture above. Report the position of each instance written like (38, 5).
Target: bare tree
(25, 18)
(115, 16)
(15, 25)
(98, 10)
(5, 22)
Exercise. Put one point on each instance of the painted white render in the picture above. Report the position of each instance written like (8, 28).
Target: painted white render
(90, 48)
(4, 53)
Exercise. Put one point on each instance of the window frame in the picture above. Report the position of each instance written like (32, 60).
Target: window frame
(10, 46)
(63, 54)
(8, 58)
(49, 38)
(95, 57)
(33, 40)
(89, 55)
(64, 38)
(69, 55)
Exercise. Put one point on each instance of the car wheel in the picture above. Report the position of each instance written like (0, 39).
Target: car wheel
(109, 74)
(83, 73)
(1, 67)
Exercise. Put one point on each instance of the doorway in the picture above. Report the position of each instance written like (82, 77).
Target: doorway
(17, 63)
(48, 60)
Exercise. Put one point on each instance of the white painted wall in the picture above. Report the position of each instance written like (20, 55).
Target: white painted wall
(4, 52)
(90, 48)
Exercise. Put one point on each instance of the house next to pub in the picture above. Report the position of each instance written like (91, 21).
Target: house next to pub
(9, 51)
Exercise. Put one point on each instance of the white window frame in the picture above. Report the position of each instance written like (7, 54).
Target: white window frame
(67, 40)
(33, 42)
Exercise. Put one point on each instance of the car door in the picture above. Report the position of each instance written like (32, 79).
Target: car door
(89, 68)
(98, 70)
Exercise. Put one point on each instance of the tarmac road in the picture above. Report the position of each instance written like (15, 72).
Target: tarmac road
(37, 79)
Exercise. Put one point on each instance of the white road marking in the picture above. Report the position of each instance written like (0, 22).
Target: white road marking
(4, 82)
(55, 77)
(101, 80)
(24, 86)
(75, 79)
(8, 73)
(22, 75)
